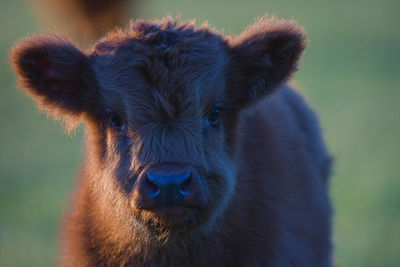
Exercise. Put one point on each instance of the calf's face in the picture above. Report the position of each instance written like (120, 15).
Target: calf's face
(161, 101)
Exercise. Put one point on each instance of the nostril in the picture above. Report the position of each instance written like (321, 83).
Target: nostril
(185, 185)
(153, 189)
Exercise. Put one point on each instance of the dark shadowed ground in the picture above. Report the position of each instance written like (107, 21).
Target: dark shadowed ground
(350, 74)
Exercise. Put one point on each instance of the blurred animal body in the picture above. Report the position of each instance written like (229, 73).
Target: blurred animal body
(198, 154)
(84, 20)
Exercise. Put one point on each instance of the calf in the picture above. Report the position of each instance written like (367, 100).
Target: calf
(176, 172)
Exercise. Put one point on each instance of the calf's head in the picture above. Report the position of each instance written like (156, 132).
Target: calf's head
(161, 101)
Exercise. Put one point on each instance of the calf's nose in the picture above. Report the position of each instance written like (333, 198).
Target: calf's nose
(168, 185)
(168, 188)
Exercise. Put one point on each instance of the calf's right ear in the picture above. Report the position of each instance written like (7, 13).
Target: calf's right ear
(55, 73)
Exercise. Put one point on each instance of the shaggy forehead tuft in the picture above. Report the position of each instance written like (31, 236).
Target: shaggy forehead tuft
(164, 56)
(163, 33)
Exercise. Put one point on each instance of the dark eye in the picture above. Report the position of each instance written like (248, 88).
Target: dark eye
(116, 122)
(213, 117)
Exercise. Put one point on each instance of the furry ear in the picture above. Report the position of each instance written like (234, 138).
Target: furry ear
(263, 57)
(55, 73)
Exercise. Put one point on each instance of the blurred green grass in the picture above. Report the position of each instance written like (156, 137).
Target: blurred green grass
(349, 74)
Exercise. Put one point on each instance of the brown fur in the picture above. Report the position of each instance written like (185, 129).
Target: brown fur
(264, 167)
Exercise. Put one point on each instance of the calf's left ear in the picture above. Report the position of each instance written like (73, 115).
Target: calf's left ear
(56, 74)
(263, 57)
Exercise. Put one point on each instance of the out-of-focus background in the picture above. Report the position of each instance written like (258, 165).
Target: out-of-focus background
(349, 73)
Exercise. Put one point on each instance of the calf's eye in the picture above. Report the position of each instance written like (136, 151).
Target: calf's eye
(116, 121)
(213, 117)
